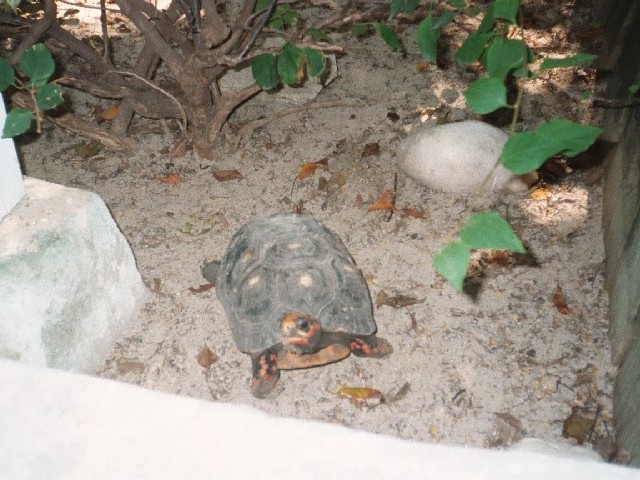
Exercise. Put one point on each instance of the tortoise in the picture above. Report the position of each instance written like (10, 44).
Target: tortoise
(294, 298)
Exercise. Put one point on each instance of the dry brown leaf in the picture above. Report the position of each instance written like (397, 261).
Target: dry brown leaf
(396, 301)
(171, 179)
(206, 357)
(110, 113)
(540, 194)
(360, 393)
(422, 66)
(202, 288)
(226, 175)
(385, 202)
(358, 200)
(559, 301)
(579, 425)
(309, 169)
(412, 212)
(371, 149)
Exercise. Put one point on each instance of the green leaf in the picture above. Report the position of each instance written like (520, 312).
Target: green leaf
(315, 61)
(452, 262)
(12, 4)
(507, 9)
(319, 34)
(427, 39)
(402, 6)
(572, 61)
(524, 152)
(7, 74)
(486, 95)
(18, 121)
(488, 20)
(264, 71)
(566, 137)
(505, 55)
(359, 29)
(444, 19)
(490, 230)
(457, 3)
(472, 47)
(472, 11)
(388, 36)
(284, 16)
(49, 96)
(261, 4)
(633, 88)
(290, 63)
(38, 64)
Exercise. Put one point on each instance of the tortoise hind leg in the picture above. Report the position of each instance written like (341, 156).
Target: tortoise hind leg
(265, 372)
(370, 346)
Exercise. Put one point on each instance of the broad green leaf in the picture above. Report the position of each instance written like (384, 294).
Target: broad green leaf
(486, 95)
(633, 88)
(18, 121)
(264, 71)
(261, 4)
(572, 61)
(49, 96)
(452, 262)
(315, 61)
(402, 6)
(7, 74)
(505, 55)
(472, 11)
(472, 47)
(38, 64)
(319, 34)
(359, 29)
(388, 36)
(283, 17)
(290, 63)
(490, 230)
(566, 137)
(507, 9)
(488, 20)
(524, 152)
(457, 3)
(444, 19)
(427, 39)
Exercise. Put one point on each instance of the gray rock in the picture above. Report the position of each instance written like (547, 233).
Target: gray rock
(68, 280)
(457, 157)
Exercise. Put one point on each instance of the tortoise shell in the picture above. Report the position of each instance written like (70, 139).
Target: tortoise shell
(290, 263)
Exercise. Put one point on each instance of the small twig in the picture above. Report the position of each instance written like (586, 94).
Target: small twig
(393, 198)
(268, 12)
(37, 31)
(106, 48)
(183, 126)
(93, 7)
(600, 102)
(247, 129)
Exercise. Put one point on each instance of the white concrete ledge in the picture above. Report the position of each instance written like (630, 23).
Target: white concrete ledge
(57, 425)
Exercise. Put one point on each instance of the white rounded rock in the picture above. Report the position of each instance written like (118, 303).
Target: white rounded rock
(457, 157)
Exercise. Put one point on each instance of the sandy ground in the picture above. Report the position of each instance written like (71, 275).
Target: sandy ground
(467, 371)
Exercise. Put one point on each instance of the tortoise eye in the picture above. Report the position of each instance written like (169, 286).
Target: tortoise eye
(302, 324)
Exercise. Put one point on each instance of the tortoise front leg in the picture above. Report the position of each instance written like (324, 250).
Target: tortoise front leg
(265, 372)
(370, 346)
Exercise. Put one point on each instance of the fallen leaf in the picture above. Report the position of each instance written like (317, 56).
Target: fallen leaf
(309, 169)
(126, 366)
(226, 175)
(202, 288)
(361, 397)
(179, 150)
(371, 149)
(579, 425)
(358, 200)
(385, 202)
(540, 194)
(507, 430)
(171, 179)
(400, 394)
(87, 150)
(412, 212)
(559, 301)
(396, 301)
(422, 66)
(110, 113)
(206, 357)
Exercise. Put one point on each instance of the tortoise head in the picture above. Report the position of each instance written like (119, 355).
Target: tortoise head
(300, 333)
